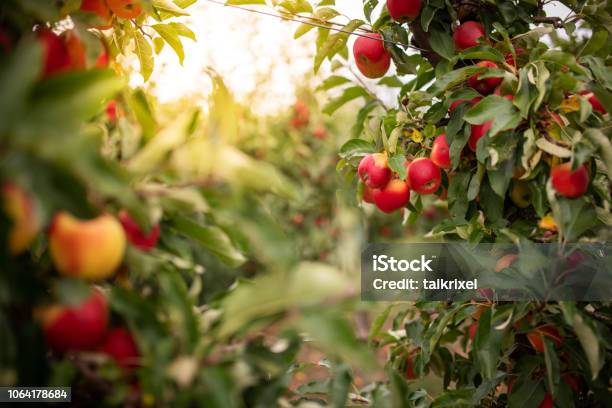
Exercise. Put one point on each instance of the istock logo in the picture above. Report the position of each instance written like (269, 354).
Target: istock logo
(383, 263)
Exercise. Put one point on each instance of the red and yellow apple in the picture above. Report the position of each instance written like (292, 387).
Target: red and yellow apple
(19, 206)
(125, 8)
(87, 249)
(424, 177)
(468, 34)
(371, 57)
(393, 196)
(568, 183)
(75, 327)
(374, 170)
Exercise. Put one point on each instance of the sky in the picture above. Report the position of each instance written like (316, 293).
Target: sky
(256, 55)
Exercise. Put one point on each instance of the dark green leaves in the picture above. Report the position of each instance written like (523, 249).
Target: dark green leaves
(442, 43)
(500, 110)
(356, 147)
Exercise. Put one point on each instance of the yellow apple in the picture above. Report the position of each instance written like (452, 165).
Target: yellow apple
(87, 249)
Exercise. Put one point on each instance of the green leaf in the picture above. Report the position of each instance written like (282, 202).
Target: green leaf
(356, 147)
(397, 163)
(483, 52)
(172, 38)
(332, 82)
(442, 43)
(564, 59)
(552, 366)
(211, 237)
(500, 110)
(348, 95)
(182, 30)
(576, 217)
(301, 30)
(597, 41)
(167, 6)
(452, 79)
(334, 43)
(144, 52)
(391, 81)
(340, 384)
(244, 2)
(296, 6)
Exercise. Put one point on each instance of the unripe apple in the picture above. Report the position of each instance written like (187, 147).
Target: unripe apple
(121, 347)
(374, 170)
(547, 402)
(55, 53)
(477, 132)
(99, 8)
(505, 262)
(87, 249)
(520, 194)
(595, 103)
(568, 183)
(19, 206)
(140, 239)
(424, 176)
(404, 10)
(371, 57)
(393, 196)
(487, 85)
(125, 8)
(536, 337)
(440, 152)
(468, 34)
(76, 327)
(368, 194)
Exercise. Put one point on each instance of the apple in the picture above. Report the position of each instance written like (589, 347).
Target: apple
(536, 337)
(76, 49)
(468, 34)
(404, 10)
(140, 239)
(6, 44)
(87, 249)
(371, 57)
(547, 402)
(320, 132)
(393, 196)
(121, 347)
(102, 60)
(76, 327)
(487, 85)
(125, 8)
(568, 183)
(424, 176)
(520, 194)
(595, 103)
(368, 194)
(505, 262)
(99, 8)
(374, 170)
(55, 53)
(301, 115)
(111, 111)
(457, 102)
(440, 152)
(477, 132)
(20, 208)
(510, 58)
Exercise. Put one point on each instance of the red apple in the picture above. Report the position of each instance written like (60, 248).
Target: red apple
(111, 111)
(121, 347)
(468, 34)
(371, 57)
(595, 103)
(410, 374)
(99, 8)
(404, 10)
(457, 102)
(55, 52)
(393, 196)
(368, 194)
(320, 132)
(424, 176)
(547, 402)
(487, 85)
(140, 239)
(477, 132)
(301, 115)
(374, 170)
(510, 58)
(567, 183)
(76, 328)
(440, 152)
